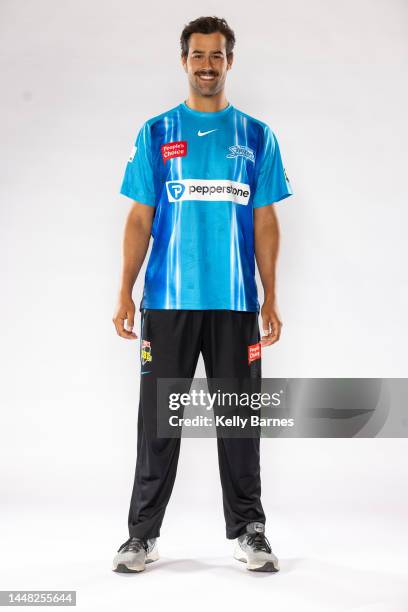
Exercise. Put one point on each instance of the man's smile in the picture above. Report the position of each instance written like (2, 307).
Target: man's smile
(207, 77)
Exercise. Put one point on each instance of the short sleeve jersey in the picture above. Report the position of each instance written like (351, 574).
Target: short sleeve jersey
(204, 173)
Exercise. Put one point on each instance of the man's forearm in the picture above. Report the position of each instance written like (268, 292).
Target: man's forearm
(135, 245)
(266, 253)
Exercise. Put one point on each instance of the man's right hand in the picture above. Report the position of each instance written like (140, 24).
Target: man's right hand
(125, 311)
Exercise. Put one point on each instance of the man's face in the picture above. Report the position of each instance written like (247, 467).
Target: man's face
(206, 64)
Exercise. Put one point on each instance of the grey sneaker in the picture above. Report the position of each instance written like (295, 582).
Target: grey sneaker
(254, 549)
(133, 554)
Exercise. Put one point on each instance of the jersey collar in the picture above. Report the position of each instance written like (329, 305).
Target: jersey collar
(202, 114)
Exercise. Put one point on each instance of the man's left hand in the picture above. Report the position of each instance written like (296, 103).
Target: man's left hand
(271, 324)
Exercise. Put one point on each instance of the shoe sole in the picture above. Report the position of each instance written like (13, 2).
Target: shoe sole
(121, 568)
(269, 566)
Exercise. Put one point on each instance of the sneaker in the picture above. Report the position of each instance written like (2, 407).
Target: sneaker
(134, 553)
(254, 549)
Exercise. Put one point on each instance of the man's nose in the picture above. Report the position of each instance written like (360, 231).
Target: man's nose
(207, 63)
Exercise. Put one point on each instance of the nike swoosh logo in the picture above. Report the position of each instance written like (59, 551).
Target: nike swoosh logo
(146, 372)
(199, 133)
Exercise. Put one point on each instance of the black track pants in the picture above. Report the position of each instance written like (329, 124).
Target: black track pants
(173, 340)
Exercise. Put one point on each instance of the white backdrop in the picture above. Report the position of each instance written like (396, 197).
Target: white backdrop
(79, 78)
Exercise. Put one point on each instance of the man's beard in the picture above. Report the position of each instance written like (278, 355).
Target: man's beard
(207, 88)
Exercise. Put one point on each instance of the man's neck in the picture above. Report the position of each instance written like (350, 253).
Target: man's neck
(207, 104)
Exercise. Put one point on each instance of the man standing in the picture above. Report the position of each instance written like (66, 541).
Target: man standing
(203, 177)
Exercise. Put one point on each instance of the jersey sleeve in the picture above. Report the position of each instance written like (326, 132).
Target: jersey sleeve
(272, 183)
(138, 180)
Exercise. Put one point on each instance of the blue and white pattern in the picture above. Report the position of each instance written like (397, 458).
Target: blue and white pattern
(214, 170)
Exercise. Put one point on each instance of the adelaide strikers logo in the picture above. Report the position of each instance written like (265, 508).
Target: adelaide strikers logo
(241, 151)
(146, 352)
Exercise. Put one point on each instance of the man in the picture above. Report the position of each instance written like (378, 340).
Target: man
(203, 178)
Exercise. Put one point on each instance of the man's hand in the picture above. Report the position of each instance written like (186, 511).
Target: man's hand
(271, 324)
(125, 311)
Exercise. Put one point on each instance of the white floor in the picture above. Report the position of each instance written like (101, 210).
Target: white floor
(353, 563)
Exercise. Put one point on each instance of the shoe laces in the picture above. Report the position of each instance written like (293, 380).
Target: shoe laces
(259, 541)
(133, 545)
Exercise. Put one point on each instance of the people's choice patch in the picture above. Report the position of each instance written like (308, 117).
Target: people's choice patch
(174, 149)
(254, 352)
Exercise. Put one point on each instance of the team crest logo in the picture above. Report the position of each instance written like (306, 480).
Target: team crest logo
(241, 151)
(146, 352)
(175, 189)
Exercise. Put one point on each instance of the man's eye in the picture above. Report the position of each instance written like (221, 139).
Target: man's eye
(216, 57)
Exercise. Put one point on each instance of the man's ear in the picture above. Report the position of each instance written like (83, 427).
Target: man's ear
(230, 59)
(183, 60)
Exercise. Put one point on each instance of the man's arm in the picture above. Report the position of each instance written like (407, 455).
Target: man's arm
(266, 233)
(135, 245)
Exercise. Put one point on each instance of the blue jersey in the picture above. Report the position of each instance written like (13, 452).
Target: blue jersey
(204, 172)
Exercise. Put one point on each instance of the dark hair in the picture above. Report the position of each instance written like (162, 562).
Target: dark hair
(207, 25)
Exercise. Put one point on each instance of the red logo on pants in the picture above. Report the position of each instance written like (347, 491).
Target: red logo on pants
(254, 352)
(174, 149)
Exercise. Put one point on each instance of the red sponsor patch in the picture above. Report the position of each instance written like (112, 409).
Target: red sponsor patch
(174, 149)
(254, 352)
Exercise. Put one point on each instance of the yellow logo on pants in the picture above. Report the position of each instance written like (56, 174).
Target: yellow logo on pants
(146, 351)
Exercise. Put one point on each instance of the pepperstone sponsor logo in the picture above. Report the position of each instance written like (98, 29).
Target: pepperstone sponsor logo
(146, 352)
(176, 189)
(241, 151)
(254, 352)
(174, 149)
(210, 190)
